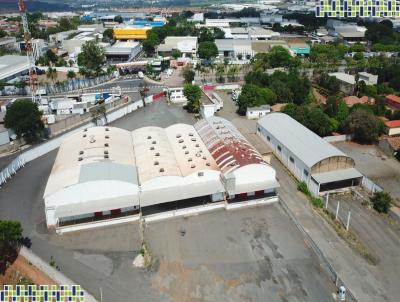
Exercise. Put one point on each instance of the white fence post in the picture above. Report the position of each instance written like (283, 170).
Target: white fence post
(337, 210)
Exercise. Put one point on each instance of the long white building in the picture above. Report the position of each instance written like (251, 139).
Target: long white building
(104, 173)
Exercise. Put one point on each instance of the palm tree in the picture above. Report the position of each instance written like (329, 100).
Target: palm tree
(232, 72)
(51, 74)
(220, 72)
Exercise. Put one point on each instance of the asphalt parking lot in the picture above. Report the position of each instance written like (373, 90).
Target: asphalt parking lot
(244, 255)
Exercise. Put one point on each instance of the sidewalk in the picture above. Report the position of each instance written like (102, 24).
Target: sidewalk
(54, 274)
(355, 272)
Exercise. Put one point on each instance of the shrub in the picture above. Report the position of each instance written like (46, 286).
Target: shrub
(381, 202)
(302, 187)
(317, 202)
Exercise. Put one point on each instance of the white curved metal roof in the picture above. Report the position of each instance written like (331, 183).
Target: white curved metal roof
(92, 155)
(308, 146)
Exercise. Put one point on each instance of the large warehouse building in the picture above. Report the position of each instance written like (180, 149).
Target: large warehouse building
(310, 158)
(105, 173)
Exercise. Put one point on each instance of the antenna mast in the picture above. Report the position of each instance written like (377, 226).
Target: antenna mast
(29, 51)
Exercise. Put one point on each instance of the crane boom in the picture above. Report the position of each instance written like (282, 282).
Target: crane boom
(29, 51)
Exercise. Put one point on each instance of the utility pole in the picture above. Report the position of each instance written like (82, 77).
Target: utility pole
(29, 51)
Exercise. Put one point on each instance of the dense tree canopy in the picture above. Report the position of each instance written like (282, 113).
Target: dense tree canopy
(92, 59)
(311, 117)
(24, 117)
(288, 87)
(253, 96)
(207, 50)
(363, 125)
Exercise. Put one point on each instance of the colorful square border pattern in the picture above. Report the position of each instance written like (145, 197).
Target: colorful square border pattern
(42, 293)
(358, 8)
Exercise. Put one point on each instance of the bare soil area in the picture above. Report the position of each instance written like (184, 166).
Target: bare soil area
(21, 270)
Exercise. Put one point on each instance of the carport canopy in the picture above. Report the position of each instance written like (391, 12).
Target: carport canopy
(338, 179)
(336, 175)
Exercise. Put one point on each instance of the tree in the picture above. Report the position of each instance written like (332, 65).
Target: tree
(118, 19)
(108, 35)
(10, 239)
(220, 73)
(71, 74)
(342, 113)
(64, 24)
(253, 95)
(188, 74)
(193, 95)
(319, 122)
(207, 50)
(52, 74)
(233, 72)
(205, 34)
(311, 117)
(381, 202)
(149, 45)
(10, 232)
(279, 57)
(331, 107)
(2, 33)
(91, 59)
(362, 125)
(24, 118)
(176, 53)
(219, 33)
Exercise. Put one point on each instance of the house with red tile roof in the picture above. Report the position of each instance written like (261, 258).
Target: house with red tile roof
(393, 101)
(353, 100)
(393, 127)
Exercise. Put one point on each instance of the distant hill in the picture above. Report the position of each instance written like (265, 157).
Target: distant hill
(32, 6)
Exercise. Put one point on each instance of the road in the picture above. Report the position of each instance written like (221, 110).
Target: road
(380, 235)
(127, 86)
(241, 255)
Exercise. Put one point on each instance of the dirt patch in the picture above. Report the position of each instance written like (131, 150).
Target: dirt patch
(21, 270)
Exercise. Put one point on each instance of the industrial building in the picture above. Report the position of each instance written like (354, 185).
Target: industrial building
(128, 32)
(13, 66)
(123, 52)
(309, 158)
(105, 173)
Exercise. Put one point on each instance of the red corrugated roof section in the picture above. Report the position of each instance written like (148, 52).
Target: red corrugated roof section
(225, 143)
(393, 98)
(393, 124)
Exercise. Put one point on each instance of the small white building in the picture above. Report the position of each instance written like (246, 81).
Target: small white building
(347, 81)
(186, 45)
(210, 104)
(368, 78)
(176, 95)
(257, 112)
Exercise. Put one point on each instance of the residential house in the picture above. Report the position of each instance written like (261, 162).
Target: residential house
(353, 100)
(393, 127)
(393, 101)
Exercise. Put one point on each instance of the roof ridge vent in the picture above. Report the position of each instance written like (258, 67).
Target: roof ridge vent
(92, 139)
